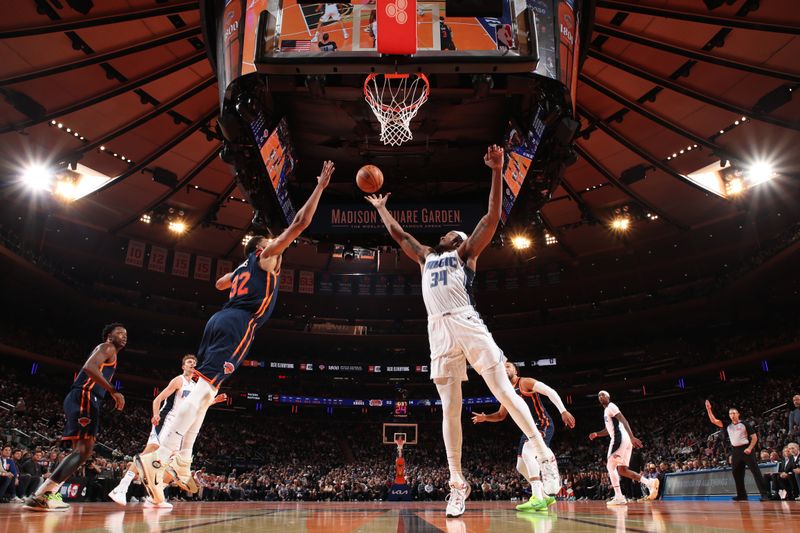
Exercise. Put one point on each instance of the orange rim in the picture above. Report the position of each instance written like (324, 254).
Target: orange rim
(396, 75)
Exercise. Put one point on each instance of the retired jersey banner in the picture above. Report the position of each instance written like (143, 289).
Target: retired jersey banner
(287, 280)
(135, 255)
(223, 267)
(415, 218)
(202, 268)
(180, 264)
(158, 259)
(306, 282)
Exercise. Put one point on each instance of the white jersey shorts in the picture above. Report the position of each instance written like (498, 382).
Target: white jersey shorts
(331, 13)
(622, 455)
(457, 337)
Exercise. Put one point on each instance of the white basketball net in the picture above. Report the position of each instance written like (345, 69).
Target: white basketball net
(395, 100)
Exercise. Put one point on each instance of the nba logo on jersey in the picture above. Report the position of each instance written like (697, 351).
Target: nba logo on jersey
(83, 421)
(228, 367)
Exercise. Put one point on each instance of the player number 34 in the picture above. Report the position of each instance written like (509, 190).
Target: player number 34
(438, 277)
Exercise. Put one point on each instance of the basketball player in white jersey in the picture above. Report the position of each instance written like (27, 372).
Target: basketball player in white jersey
(331, 14)
(457, 335)
(620, 449)
(164, 407)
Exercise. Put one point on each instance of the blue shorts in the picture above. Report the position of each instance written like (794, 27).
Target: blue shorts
(82, 411)
(226, 342)
(547, 435)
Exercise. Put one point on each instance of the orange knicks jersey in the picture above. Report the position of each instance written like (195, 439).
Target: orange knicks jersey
(253, 290)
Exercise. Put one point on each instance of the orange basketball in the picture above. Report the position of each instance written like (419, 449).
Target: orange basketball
(369, 179)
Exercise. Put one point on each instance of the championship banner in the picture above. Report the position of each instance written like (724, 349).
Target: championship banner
(381, 286)
(287, 280)
(344, 285)
(364, 285)
(202, 268)
(158, 259)
(325, 283)
(306, 282)
(415, 218)
(223, 267)
(135, 255)
(180, 264)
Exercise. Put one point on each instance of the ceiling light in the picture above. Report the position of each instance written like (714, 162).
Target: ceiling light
(177, 226)
(102, 148)
(621, 224)
(246, 239)
(734, 186)
(722, 131)
(145, 218)
(760, 172)
(67, 190)
(520, 242)
(60, 125)
(550, 239)
(69, 130)
(37, 177)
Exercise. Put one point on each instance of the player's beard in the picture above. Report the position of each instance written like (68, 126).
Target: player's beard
(439, 249)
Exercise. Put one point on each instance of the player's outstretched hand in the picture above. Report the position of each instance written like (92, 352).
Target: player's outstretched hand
(592, 435)
(324, 177)
(220, 398)
(378, 200)
(568, 419)
(155, 420)
(708, 406)
(636, 442)
(477, 418)
(119, 401)
(494, 157)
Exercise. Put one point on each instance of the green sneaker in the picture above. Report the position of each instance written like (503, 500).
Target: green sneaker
(550, 500)
(533, 504)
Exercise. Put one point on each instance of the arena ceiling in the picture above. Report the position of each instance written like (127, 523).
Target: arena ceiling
(130, 86)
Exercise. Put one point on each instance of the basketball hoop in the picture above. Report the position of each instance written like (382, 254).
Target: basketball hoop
(395, 100)
(400, 442)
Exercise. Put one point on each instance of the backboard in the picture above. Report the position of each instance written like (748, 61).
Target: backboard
(291, 39)
(392, 429)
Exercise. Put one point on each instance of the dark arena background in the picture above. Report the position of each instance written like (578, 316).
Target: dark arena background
(642, 238)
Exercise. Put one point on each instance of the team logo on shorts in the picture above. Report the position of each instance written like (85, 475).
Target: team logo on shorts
(83, 421)
(228, 367)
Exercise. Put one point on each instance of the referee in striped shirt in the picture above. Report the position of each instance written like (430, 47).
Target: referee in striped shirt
(743, 440)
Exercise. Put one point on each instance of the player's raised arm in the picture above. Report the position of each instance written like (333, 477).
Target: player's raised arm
(481, 236)
(530, 385)
(303, 217)
(104, 353)
(409, 244)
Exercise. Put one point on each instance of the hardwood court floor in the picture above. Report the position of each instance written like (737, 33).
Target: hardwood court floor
(481, 517)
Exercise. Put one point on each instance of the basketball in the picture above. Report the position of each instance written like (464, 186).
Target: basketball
(369, 179)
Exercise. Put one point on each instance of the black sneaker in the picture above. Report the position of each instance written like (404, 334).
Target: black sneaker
(47, 502)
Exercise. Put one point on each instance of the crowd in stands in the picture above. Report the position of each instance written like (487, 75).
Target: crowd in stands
(244, 457)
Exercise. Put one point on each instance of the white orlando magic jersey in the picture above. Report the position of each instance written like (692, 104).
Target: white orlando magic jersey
(186, 388)
(446, 283)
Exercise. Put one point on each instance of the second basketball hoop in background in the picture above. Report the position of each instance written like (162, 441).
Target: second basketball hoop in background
(369, 179)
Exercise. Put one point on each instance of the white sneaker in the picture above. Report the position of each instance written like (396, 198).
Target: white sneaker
(456, 500)
(134, 499)
(652, 488)
(617, 501)
(148, 504)
(152, 472)
(17, 499)
(118, 495)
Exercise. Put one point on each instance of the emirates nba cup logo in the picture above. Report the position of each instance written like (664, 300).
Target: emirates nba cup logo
(228, 367)
(83, 421)
(397, 10)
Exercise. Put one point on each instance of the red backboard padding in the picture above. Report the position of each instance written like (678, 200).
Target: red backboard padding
(397, 26)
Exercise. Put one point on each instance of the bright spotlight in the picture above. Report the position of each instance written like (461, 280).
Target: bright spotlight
(760, 172)
(550, 239)
(520, 242)
(177, 226)
(246, 239)
(145, 218)
(67, 190)
(621, 224)
(37, 177)
(734, 187)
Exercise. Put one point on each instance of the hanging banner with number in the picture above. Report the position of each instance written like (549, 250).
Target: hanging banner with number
(223, 267)
(180, 264)
(202, 268)
(287, 280)
(306, 282)
(158, 259)
(135, 255)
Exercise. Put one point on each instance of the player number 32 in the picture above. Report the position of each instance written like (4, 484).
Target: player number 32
(239, 285)
(438, 278)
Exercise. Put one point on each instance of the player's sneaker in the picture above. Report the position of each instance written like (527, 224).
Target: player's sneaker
(47, 502)
(152, 472)
(617, 501)
(533, 504)
(551, 480)
(550, 500)
(118, 495)
(652, 488)
(457, 499)
(181, 471)
(149, 504)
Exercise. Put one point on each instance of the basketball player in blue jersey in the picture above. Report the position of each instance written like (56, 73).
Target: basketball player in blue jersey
(82, 409)
(530, 389)
(252, 289)
(457, 334)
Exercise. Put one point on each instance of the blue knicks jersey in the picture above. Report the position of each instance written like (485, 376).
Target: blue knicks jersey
(253, 290)
(87, 384)
(540, 414)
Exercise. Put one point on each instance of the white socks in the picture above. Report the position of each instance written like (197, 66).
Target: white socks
(537, 490)
(126, 480)
(450, 394)
(191, 409)
(613, 476)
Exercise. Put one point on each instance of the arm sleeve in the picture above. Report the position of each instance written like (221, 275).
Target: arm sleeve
(541, 388)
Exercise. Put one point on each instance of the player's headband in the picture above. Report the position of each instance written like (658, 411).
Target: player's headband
(461, 234)
(604, 393)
